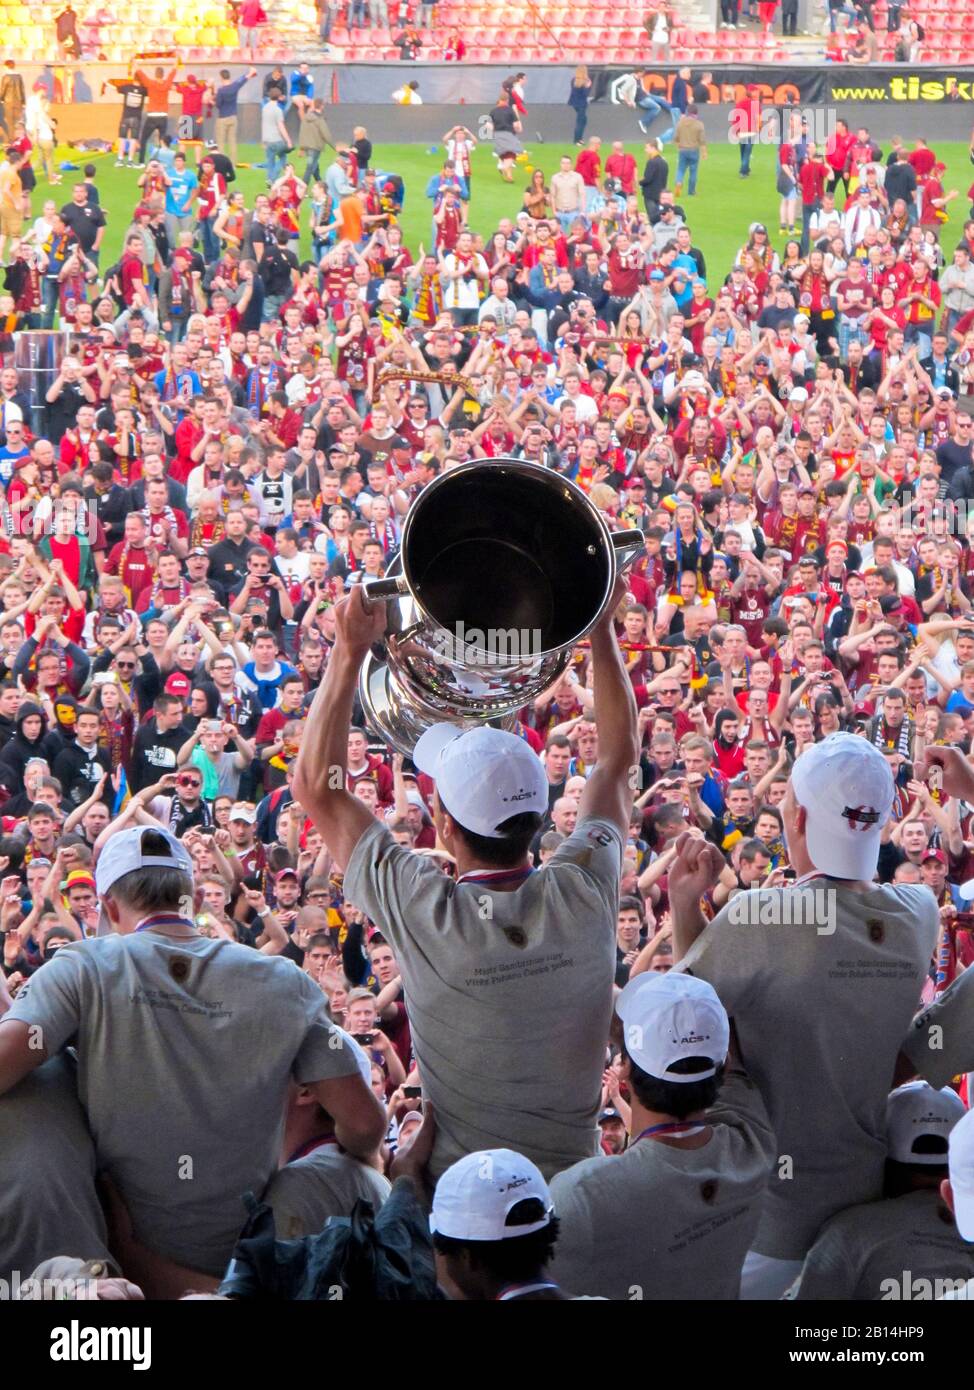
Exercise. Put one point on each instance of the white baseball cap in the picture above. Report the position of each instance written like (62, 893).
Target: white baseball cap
(123, 855)
(846, 788)
(960, 1167)
(916, 1112)
(474, 1197)
(241, 811)
(669, 1018)
(483, 776)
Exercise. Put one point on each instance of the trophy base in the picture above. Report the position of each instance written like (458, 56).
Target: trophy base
(399, 721)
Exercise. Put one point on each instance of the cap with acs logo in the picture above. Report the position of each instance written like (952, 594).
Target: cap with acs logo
(484, 776)
(919, 1121)
(673, 1018)
(475, 1197)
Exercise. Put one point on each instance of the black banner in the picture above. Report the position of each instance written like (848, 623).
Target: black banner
(805, 86)
(903, 83)
(778, 86)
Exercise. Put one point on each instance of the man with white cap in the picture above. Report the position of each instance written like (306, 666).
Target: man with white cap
(957, 1189)
(698, 1160)
(494, 1229)
(186, 1045)
(821, 979)
(508, 971)
(879, 1250)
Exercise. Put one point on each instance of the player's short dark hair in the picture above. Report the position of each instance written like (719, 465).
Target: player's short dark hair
(678, 1098)
(511, 844)
(154, 889)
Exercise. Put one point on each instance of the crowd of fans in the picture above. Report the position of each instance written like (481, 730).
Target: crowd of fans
(230, 447)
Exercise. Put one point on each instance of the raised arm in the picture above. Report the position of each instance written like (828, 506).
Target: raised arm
(609, 791)
(320, 773)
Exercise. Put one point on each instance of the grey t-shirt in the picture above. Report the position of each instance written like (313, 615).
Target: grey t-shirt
(270, 123)
(324, 1183)
(228, 772)
(509, 995)
(868, 1251)
(665, 1221)
(940, 1043)
(821, 1018)
(185, 1050)
(48, 1205)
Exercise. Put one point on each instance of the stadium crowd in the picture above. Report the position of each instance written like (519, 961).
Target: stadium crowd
(676, 1080)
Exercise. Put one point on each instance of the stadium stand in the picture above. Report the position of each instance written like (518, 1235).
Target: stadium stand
(516, 32)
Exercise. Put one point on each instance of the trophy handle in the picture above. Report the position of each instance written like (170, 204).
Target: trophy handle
(376, 590)
(627, 545)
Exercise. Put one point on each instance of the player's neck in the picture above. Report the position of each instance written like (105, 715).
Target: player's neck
(468, 865)
(304, 1125)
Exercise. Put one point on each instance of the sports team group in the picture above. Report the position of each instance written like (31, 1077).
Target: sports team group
(697, 1021)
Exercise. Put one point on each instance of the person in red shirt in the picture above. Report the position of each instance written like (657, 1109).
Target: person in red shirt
(131, 560)
(626, 266)
(210, 193)
(588, 163)
(920, 304)
(166, 527)
(78, 449)
(284, 423)
(886, 315)
(863, 150)
(193, 92)
(55, 609)
(363, 764)
(448, 221)
(132, 283)
(746, 125)
(189, 433)
(922, 159)
(621, 166)
(23, 494)
(811, 181)
(697, 314)
(837, 149)
(933, 199)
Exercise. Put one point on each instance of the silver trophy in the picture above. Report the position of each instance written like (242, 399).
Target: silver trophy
(504, 566)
